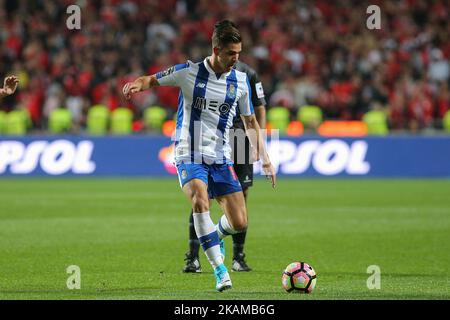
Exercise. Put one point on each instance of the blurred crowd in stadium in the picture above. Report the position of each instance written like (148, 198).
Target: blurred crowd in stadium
(306, 53)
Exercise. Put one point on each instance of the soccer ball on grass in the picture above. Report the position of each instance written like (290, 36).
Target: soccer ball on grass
(299, 277)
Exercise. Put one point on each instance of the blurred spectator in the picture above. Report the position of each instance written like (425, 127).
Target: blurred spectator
(439, 68)
(443, 100)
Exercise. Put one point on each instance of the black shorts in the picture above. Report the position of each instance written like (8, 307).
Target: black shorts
(243, 168)
(245, 174)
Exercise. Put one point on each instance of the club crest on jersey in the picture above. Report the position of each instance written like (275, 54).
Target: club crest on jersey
(231, 92)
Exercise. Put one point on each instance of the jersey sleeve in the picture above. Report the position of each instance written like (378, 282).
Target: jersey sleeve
(245, 101)
(258, 97)
(172, 75)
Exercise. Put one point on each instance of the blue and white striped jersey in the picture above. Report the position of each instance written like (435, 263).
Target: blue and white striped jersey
(206, 108)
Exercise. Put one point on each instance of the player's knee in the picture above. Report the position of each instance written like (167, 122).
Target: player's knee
(240, 225)
(200, 204)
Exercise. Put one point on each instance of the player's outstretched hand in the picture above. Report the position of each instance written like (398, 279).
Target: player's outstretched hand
(270, 173)
(10, 85)
(131, 87)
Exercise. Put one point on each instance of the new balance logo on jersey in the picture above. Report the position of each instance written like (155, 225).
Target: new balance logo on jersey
(201, 85)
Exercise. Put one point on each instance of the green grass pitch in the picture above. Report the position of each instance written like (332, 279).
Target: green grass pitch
(129, 236)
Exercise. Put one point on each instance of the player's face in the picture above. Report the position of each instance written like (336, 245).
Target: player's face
(229, 55)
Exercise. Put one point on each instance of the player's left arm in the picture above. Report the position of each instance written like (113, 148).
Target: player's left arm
(260, 112)
(254, 134)
(253, 131)
(9, 86)
(254, 96)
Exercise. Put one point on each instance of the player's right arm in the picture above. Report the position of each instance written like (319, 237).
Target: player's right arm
(140, 84)
(169, 77)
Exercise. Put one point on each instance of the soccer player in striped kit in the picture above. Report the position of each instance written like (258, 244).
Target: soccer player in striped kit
(244, 171)
(211, 91)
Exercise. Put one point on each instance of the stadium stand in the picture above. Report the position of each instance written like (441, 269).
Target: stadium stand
(446, 122)
(318, 54)
(154, 117)
(2, 121)
(376, 121)
(97, 120)
(60, 121)
(310, 116)
(17, 122)
(278, 117)
(121, 121)
(295, 129)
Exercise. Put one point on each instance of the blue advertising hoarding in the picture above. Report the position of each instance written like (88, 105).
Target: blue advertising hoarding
(153, 156)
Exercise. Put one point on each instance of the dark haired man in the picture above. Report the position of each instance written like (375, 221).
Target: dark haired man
(211, 92)
(244, 170)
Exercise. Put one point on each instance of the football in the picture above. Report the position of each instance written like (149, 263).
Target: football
(299, 277)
